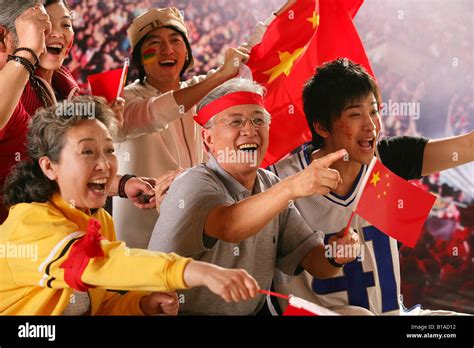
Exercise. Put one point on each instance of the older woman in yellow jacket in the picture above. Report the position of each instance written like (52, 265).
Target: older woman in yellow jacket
(60, 256)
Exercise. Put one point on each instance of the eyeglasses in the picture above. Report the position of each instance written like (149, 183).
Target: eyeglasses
(240, 122)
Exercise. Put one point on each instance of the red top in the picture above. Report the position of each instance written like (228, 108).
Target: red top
(13, 135)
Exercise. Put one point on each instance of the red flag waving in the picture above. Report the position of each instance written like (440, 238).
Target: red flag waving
(306, 35)
(109, 84)
(393, 205)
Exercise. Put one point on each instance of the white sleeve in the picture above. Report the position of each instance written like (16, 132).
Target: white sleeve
(145, 115)
(199, 78)
(150, 114)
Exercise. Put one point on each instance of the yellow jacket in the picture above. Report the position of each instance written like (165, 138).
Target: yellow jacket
(47, 251)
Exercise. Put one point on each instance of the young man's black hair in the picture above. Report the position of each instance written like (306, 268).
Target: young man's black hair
(335, 85)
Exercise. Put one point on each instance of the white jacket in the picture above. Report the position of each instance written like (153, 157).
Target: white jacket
(155, 139)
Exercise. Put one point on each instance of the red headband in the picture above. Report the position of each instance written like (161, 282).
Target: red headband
(225, 102)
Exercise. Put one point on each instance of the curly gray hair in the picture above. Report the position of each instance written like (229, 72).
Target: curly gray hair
(47, 137)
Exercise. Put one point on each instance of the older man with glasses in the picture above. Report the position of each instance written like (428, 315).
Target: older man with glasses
(233, 214)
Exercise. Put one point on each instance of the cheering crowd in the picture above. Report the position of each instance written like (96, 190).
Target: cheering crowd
(214, 230)
(212, 29)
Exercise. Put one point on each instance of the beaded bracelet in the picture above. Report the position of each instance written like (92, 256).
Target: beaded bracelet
(122, 182)
(333, 262)
(33, 54)
(23, 61)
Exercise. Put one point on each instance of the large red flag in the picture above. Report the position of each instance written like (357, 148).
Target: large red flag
(109, 84)
(308, 34)
(393, 205)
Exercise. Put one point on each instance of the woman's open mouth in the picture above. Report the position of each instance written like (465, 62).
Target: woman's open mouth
(54, 49)
(97, 186)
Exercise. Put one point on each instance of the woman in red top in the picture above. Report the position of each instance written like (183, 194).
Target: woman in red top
(35, 40)
(22, 26)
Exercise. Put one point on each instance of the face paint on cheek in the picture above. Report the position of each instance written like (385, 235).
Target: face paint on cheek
(149, 56)
(345, 128)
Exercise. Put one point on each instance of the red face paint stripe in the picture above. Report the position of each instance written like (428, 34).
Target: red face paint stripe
(149, 53)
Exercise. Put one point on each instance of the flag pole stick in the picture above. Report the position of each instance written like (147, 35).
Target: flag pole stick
(122, 78)
(271, 293)
(348, 224)
(359, 193)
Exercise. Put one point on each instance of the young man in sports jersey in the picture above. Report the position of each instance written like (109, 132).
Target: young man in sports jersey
(341, 104)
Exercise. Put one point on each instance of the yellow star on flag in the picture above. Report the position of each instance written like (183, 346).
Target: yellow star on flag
(314, 19)
(286, 64)
(375, 178)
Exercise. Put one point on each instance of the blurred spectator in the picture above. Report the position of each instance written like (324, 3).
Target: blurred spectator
(101, 39)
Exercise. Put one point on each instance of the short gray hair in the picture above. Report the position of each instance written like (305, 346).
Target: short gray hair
(233, 85)
(10, 10)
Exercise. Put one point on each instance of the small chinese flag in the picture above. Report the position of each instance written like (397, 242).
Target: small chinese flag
(291, 311)
(109, 84)
(393, 205)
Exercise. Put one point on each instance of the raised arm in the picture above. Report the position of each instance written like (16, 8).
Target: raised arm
(153, 114)
(31, 26)
(190, 96)
(445, 153)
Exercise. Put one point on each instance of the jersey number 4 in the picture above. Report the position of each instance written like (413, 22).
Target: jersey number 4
(355, 281)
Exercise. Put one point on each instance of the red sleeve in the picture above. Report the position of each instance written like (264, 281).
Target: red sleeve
(12, 141)
(17, 125)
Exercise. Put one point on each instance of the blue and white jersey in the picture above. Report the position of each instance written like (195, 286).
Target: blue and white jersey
(371, 281)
